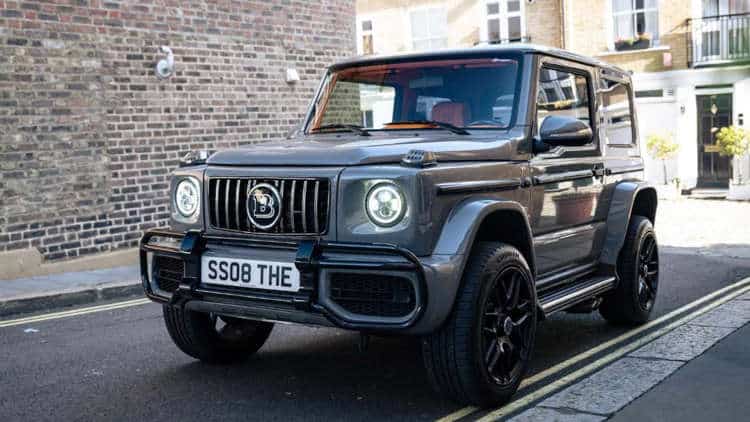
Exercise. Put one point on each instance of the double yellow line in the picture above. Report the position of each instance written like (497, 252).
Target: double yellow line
(703, 305)
(73, 312)
(698, 307)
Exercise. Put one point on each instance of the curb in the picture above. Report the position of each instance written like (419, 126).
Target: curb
(61, 299)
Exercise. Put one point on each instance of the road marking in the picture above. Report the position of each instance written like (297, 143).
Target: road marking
(566, 380)
(73, 312)
(530, 381)
(458, 414)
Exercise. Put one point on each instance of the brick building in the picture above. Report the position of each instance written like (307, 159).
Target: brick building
(686, 57)
(89, 133)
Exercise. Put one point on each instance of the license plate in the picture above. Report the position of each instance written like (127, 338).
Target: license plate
(268, 275)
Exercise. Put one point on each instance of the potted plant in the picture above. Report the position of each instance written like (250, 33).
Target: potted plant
(662, 147)
(639, 42)
(734, 141)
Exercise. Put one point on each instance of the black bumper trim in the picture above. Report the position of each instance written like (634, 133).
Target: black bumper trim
(309, 260)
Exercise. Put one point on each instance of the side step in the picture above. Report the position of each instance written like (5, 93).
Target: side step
(561, 299)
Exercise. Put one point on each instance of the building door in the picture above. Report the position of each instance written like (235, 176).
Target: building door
(714, 113)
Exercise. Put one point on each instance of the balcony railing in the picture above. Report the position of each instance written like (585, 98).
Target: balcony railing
(723, 39)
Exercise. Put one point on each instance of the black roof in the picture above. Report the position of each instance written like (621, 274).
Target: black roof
(479, 50)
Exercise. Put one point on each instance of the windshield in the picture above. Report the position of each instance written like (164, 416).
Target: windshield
(474, 93)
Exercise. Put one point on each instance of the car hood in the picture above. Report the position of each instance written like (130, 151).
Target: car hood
(323, 150)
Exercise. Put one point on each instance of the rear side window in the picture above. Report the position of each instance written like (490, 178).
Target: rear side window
(617, 111)
(562, 93)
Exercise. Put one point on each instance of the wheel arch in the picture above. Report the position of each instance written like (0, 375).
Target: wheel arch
(628, 199)
(459, 233)
(487, 219)
(645, 203)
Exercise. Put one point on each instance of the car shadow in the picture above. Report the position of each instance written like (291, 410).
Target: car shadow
(319, 373)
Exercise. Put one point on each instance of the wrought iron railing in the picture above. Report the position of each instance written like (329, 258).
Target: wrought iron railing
(719, 39)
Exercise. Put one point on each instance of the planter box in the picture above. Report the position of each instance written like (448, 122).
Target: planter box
(739, 192)
(638, 45)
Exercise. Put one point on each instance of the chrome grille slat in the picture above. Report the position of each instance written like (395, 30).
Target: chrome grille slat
(291, 205)
(226, 202)
(237, 204)
(304, 205)
(282, 220)
(315, 205)
(218, 189)
(277, 227)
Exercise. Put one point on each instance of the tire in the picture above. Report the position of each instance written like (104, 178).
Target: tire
(197, 335)
(633, 300)
(458, 356)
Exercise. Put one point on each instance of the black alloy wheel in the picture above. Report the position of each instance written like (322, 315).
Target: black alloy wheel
(481, 353)
(648, 271)
(632, 301)
(506, 326)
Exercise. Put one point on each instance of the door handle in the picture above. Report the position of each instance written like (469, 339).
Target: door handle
(599, 171)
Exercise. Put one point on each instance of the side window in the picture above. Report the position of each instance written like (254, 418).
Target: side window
(562, 93)
(617, 113)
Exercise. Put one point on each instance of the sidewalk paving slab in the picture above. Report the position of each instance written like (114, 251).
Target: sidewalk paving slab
(712, 387)
(684, 343)
(606, 392)
(34, 294)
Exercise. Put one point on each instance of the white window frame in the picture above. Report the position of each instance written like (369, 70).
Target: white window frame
(612, 15)
(427, 9)
(361, 33)
(502, 15)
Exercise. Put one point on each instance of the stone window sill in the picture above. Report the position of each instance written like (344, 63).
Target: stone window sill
(645, 50)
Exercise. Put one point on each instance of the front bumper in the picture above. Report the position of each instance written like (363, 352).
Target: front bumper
(318, 262)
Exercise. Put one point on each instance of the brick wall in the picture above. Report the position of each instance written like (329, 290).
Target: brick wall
(88, 133)
(544, 22)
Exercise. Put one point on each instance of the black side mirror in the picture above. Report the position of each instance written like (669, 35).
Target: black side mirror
(565, 131)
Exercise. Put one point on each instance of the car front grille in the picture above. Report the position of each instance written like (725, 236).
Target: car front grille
(168, 272)
(304, 205)
(373, 294)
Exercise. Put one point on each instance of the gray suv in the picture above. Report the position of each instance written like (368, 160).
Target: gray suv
(461, 196)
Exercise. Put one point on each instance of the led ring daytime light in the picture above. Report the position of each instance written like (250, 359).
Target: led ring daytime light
(187, 197)
(385, 204)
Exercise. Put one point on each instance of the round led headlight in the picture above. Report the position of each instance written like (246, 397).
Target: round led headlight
(385, 204)
(187, 197)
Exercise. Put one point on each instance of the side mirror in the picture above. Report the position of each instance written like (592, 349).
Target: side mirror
(565, 131)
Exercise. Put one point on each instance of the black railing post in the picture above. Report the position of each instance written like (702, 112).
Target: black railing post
(718, 39)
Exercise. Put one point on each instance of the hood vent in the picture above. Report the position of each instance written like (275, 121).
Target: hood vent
(419, 158)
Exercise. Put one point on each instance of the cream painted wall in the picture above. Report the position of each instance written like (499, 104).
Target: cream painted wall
(392, 24)
(741, 106)
(679, 115)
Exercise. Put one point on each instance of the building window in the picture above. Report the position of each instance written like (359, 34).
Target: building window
(505, 20)
(713, 8)
(366, 38)
(429, 28)
(635, 24)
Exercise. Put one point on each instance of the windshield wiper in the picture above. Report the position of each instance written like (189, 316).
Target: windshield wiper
(442, 125)
(359, 130)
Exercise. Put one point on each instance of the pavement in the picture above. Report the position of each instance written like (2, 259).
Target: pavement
(33, 294)
(114, 360)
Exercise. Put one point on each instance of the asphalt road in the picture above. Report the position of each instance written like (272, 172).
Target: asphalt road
(121, 364)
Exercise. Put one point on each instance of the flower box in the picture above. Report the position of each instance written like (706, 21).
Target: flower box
(628, 45)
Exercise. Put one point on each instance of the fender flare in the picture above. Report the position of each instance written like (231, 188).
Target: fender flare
(446, 265)
(620, 211)
(461, 226)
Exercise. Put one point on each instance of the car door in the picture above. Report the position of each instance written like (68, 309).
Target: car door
(568, 181)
